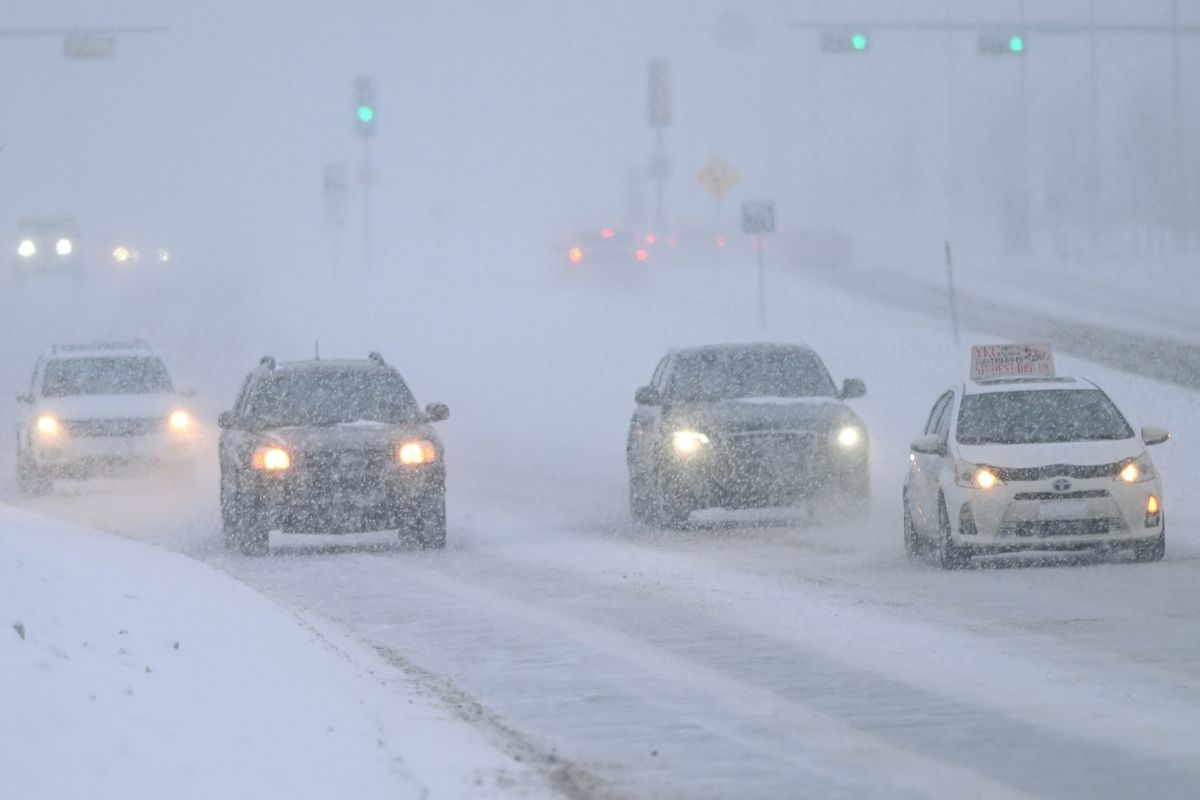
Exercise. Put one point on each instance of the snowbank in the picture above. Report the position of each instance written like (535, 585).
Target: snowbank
(130, 672)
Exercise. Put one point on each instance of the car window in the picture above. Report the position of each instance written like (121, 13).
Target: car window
(1063, 415)
(330, 397)
(105, 375)
(710, 375)
(935, 414)
(243, 397)
(33, 379)
(942, 428)
(660, 373)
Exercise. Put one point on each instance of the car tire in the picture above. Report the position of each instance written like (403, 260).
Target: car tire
(31, 479)
(640, 498)
(431, 534)
(912, 542)
(949, 555)
(671, 509)
(1153, 550)
(242, 526)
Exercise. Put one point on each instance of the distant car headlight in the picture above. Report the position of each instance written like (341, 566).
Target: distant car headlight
(575, 254)
(688, 442)
(974, 476)
(1137, 471)
(179, 421)
(121, 254)
(416, 451)
(849, 437)
(48, 425)
(27, 248)
(63, 247)
(272, 459)
(163, 255)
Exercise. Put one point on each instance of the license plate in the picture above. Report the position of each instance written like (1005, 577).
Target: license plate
(1060, 509)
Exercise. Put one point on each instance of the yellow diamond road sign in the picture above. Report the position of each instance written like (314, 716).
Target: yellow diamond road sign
(717, 177)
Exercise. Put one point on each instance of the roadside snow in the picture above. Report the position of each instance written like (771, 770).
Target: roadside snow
(131, 672)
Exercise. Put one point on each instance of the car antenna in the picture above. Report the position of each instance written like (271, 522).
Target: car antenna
(317, 348)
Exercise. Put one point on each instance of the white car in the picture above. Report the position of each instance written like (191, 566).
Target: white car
(100, 408)
(1042, 463)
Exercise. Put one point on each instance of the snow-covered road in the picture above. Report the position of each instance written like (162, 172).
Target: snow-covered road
(742, 659)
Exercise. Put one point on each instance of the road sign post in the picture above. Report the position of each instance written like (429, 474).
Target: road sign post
(758, 220)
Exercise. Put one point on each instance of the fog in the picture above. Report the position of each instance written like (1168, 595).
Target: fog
(751, 651)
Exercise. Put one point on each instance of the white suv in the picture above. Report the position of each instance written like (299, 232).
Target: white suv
(100, 409)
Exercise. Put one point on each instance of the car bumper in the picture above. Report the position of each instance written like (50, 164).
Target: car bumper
(766, 477)
(305, 502)
(112, 454)
(1034, 515)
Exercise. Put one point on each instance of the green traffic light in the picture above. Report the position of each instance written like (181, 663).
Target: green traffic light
(365, 113)
(1016, 44)
(858, 41)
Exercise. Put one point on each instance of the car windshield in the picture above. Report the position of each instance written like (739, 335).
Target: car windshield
(330, 397)
(106, 375)
(1061, 415)
(713, 375)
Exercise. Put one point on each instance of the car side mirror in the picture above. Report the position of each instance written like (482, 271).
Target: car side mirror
(1155, 435)
(852, 388)
(930, 444)
(436, 412)
(646, 396)
(226, 420)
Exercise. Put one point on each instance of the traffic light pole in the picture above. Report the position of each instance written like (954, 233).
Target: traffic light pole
(368, 178)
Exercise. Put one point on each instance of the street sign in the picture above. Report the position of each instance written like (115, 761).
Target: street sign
(89, 46)
(717, 177)
(758, 216)
(658, 94)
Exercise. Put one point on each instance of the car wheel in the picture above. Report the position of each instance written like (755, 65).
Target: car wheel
(912, 543)
(671, 509)
(1153, 550)
(242, 525)
(31, 479)
(950, 555)
(431, 533)
(640, 504)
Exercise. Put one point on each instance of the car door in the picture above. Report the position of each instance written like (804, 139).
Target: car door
(924, 469)
(645, 424)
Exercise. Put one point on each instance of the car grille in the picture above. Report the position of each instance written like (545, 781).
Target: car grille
(773, 448)
(349, 471)
(132, 426)
(1010, 474)
(1062, 527)
(1090, 494)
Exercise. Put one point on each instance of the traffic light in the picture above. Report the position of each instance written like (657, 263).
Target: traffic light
(844, 42)
(364, 105)
(1001, 43)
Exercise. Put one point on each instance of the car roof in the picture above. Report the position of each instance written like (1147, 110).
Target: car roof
(733, 348)
(1026, 385)
(99, 350)
(329, 365)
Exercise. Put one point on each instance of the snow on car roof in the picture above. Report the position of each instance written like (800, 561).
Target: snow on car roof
(747, 347)
(98, 350)
(1026, 385)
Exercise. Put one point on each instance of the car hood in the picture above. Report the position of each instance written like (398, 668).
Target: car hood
(763, 413)
(117, 406)
(349, 436)
(1041, 455)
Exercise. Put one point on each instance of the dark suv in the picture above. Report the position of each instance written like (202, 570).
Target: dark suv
(743, 426)
(334, 446)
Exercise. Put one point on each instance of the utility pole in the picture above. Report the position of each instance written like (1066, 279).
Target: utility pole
(658, 114)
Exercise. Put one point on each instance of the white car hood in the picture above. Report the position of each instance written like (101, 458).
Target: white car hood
(109, 406)
(1041, 455)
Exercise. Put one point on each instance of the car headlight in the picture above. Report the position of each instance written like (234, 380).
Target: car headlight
(849, 437)
(1137, 471)
(688, 442)
(416, 451)
(27, 248)
(63, 247)
(974, 476)
(179, 421)
(48, 425)
(121, 254)
(272, 459)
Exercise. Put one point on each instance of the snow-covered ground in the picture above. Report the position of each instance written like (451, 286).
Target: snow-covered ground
(133, 672)
(747, 657)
